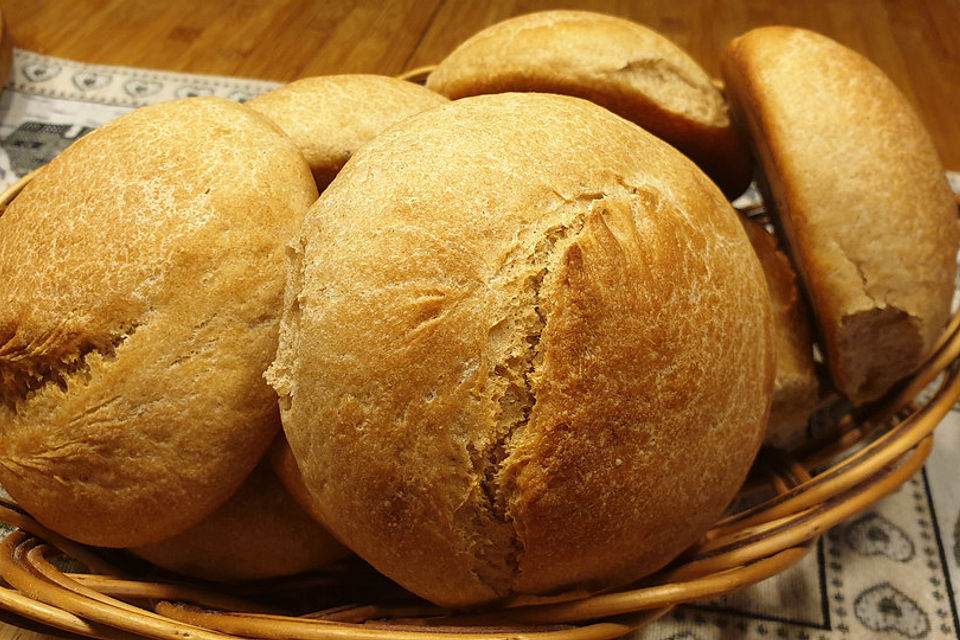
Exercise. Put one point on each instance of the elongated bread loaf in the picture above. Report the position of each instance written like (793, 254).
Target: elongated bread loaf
(526, 347)
(329, 117)
(621, 65)
(860, 196)
(141, 279)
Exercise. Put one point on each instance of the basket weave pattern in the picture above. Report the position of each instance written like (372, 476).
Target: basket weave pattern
(863, 456)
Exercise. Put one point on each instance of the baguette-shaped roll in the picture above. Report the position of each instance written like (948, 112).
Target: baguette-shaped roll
(526, 347)
(860, 195)
(329, 117)
(141, 281)
(619, 64)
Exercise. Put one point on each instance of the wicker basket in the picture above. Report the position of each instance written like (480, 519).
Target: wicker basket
(863, 455)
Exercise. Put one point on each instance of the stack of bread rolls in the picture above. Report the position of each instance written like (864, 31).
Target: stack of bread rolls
(505, 333)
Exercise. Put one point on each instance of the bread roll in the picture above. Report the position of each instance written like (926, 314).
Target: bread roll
(329, 117)
(860, 195)
(526, 347)
(795, 387)
(626, 67)
(141, 280)
(261, 532)
(285, 467)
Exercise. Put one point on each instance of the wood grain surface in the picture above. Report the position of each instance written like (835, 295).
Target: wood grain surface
(917, 42)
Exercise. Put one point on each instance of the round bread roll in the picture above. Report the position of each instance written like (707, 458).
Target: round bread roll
(141, 282)
(860, 196)
(260, 532)
(626, 67)
(795, 387)
(329, 117)
(288, 472)
(526, 347)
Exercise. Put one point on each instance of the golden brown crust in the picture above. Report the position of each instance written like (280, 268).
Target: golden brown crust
(861, 197)
(260, 532)
(527, 347)
(795, 389)
(141, 275)
(285, 467)
(330, 117)
(626, 67)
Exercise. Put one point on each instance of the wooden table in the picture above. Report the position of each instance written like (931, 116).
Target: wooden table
(916, 42)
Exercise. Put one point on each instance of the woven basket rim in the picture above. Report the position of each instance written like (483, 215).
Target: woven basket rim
(866, 458)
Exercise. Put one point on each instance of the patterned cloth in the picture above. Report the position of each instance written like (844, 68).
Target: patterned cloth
(891, 572)
(50, 102)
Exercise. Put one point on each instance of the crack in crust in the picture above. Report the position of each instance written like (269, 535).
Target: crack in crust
(687, 94)
(279, 374)
(52, 359)
(515, 358)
